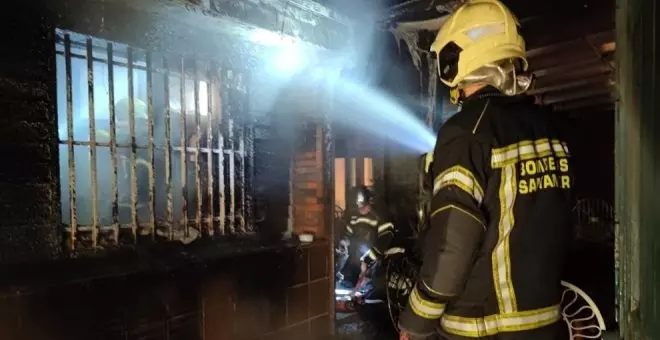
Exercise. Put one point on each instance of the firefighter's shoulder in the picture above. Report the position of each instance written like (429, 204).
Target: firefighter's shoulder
(461, 126)
(463, 119)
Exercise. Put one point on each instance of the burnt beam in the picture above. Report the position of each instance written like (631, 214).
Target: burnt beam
(596, 40)
(569, 73)
(602, 101)
(569, 53)
(545, 86)
(589, 66)
(574, 94)
(569, 25)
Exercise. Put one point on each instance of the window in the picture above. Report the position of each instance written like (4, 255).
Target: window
(150, 146)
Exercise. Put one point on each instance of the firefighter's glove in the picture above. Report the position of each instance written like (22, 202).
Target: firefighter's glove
(404, 335)
(421, 317)
(417, 328)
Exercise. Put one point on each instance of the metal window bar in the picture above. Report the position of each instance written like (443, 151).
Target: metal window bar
(209, 155)
(208, 134)
(183, 160)
(229, 148)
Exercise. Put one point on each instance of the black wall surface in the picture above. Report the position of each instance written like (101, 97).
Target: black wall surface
(29, 195)
(229, 290)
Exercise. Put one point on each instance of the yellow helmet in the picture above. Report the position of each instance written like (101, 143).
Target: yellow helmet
(478, 33)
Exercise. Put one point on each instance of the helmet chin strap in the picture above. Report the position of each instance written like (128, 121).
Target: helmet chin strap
(455, 95)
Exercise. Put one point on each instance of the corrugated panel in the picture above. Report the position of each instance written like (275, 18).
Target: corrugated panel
(637, 169)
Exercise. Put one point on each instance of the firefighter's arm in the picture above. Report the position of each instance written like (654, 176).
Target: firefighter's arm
(345, 239)
(383, 240)
(455, 233)
(348, 231)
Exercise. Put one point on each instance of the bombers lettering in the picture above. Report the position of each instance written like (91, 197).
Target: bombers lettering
(543, 173)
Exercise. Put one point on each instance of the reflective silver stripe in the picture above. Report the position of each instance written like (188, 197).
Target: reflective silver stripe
(395, 250)
(424, 308)
(366, 220)
(506, 297)
(385, 227)
(527, 149)
(349, 229)
(462, 178)
(494, 324)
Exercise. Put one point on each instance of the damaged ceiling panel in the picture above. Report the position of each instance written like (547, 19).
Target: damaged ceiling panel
(230, 26)
(570, 46)
(301, 19)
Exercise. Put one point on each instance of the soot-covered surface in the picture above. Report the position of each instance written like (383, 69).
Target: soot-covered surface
(274, 294)
(371, 322)
(365, 322)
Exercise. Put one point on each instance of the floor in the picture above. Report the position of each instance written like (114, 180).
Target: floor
(611, 336)
(352, 326)
(356, 326)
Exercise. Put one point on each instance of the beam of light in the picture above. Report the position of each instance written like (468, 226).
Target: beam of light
(376, 113)
(342, 291)
(287, 55)
(270, 38)
(355, 104)
(288, 60)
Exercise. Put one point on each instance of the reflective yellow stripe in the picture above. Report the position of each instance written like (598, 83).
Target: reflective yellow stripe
(462, 178)
(506, 297)
(424, 308)
(385, 227)
(349, 229)
(494, 324)
(372, 255)
(527, 149)
(366, 220)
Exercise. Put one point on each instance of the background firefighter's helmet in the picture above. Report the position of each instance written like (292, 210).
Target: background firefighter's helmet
(363, 196)
(480, 33)
(425, 176)
(425, 190)
(427, 160)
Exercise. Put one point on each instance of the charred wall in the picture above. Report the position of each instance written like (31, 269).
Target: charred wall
(234, 289)
(398, 172)
(591, 136)
(29, 189)
(31, 207)
(276, 294)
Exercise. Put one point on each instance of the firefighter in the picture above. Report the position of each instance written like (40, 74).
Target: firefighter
(368, 233)
(500, 212)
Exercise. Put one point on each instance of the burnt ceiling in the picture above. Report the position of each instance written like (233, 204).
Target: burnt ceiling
(570, 47)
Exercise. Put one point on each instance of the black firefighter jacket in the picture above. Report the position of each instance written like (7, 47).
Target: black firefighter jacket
(372, 231)
(499, 227)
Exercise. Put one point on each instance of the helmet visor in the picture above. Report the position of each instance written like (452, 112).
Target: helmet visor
(361, 200)
(447, 61)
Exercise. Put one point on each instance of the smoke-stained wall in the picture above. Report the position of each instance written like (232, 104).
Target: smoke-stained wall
(591, 138)
(31, 79)
(273, 291)
(398, 174)
(29, 182)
